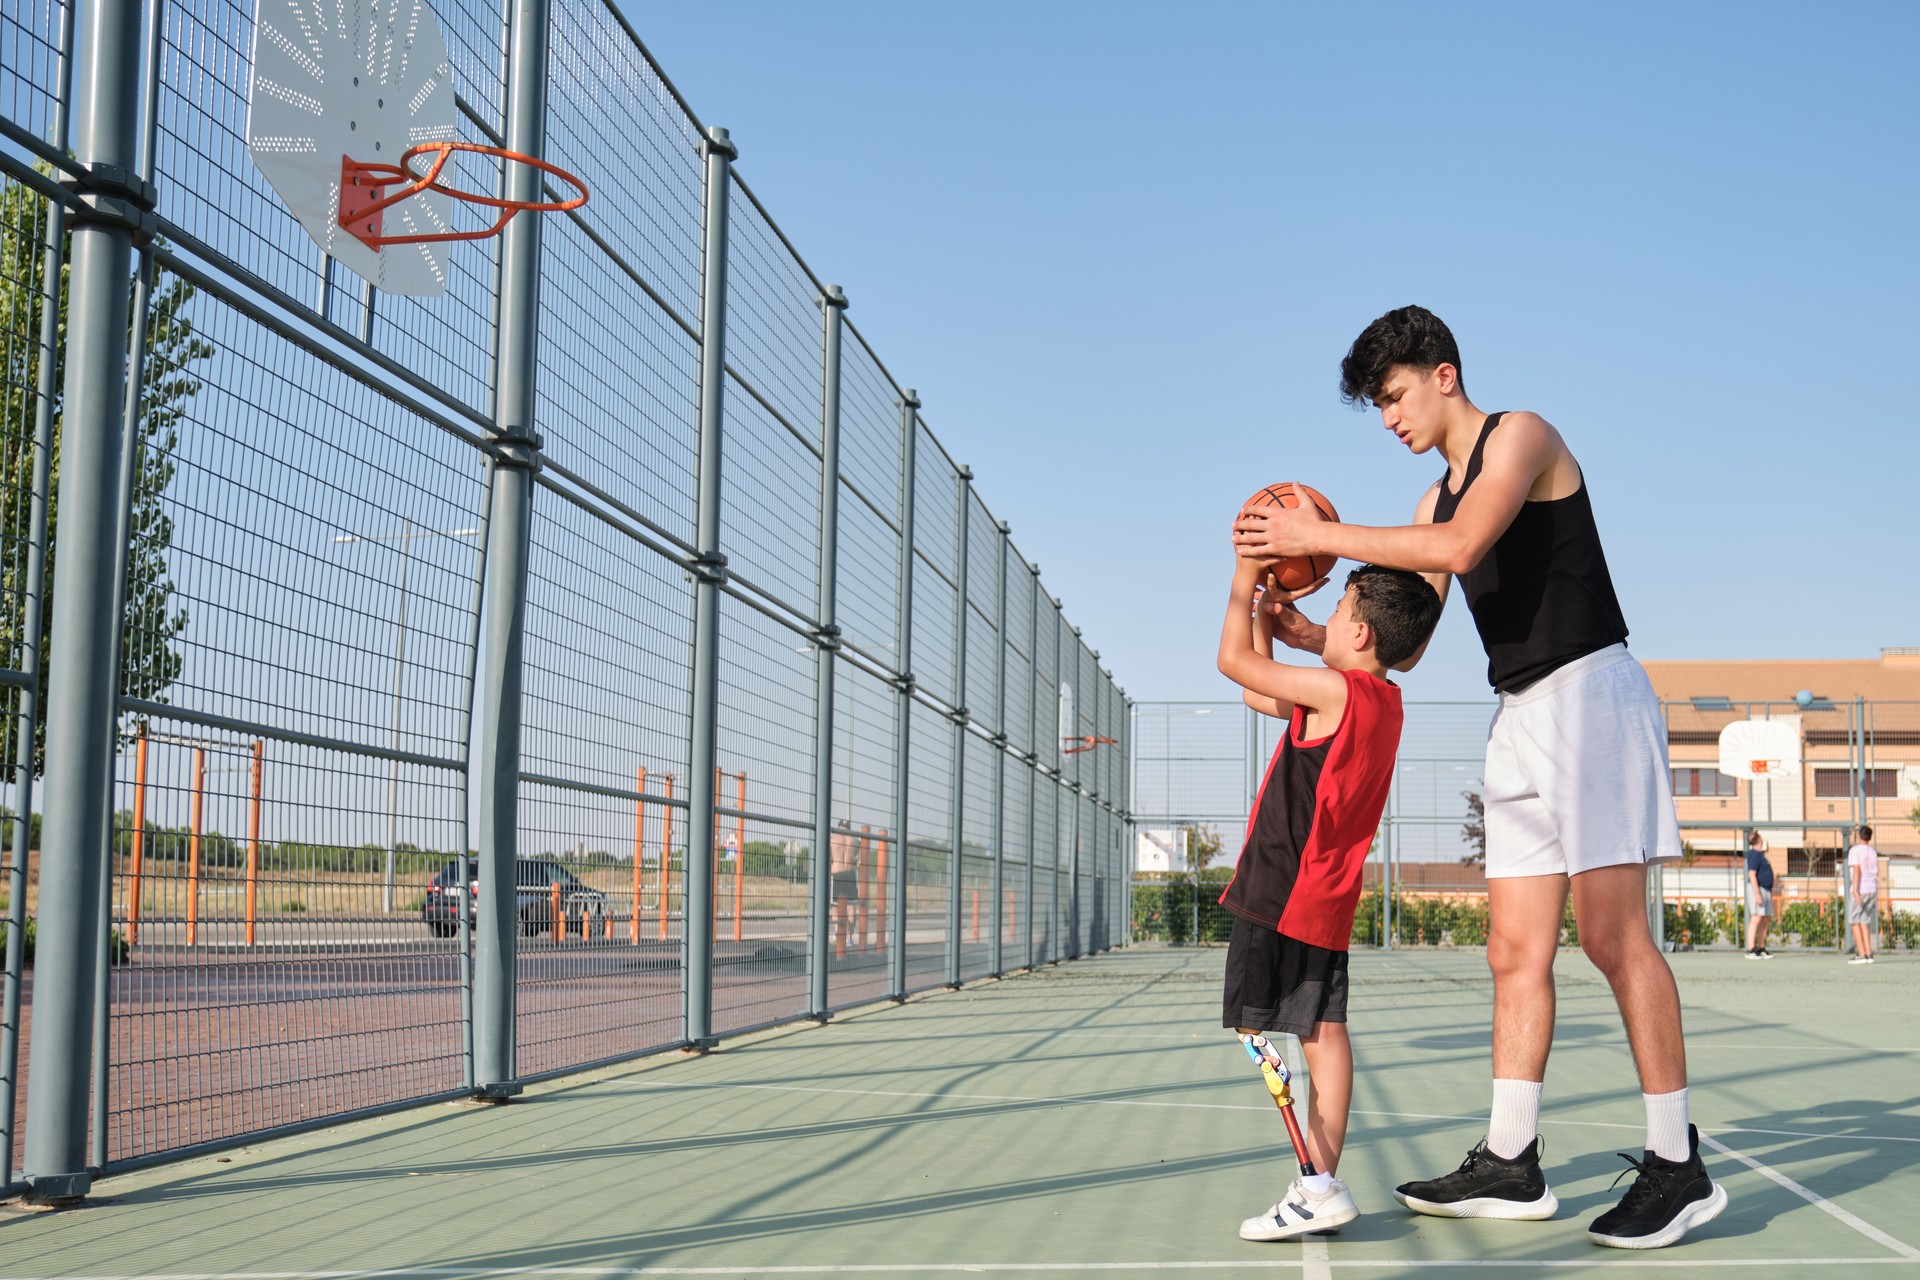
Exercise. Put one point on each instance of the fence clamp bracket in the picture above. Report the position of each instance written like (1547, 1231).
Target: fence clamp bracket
(709, 566)
(904, 682)
(112, 196)
(961, 716)
(521, 452)
(826, 636)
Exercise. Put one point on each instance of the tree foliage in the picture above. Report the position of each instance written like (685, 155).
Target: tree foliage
(153, 619)
(1474, 829)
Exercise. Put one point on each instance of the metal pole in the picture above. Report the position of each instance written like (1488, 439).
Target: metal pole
(1032, 762)
(710, 569)
(833, 303)
(34, 596)
(515, 456)
(909, 404)
(1130, 846)
(399, 675)
(957, 824)
(1056, 916)
(1073, 830)
(995, 957)
(81, 702)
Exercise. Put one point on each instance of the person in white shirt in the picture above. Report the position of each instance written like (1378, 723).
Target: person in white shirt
(1863, 884)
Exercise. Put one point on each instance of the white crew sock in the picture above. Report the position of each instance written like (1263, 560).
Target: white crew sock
(1516, 1117)
(1319, 1184)
(1667, 1125)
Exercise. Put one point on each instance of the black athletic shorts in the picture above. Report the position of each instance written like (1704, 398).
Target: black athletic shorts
(846, 884)
(1277, 983)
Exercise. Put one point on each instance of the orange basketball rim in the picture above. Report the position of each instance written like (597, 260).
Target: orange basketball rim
(364, 193)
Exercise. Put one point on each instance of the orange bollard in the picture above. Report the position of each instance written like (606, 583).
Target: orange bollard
(739, 852)
(193, 843)
(666, 857)
(639, 851)
(559, 919)
(139, 834)
(863, 886)
(880, 893)
(253, 841)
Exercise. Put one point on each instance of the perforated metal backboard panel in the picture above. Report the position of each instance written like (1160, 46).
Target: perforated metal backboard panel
(364, 79)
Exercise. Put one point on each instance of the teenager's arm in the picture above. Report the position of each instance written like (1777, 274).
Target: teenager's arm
(1516, 457)
(1440, 582)
(1286, 686)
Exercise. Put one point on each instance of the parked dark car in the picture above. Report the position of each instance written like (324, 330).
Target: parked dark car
(534, 879)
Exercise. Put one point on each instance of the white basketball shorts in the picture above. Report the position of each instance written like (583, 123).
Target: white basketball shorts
(1577, 772)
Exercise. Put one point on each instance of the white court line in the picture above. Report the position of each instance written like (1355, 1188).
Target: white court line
(1209, 1106)
(1866, 1229)
(1314, 1262)
(1637, 1262)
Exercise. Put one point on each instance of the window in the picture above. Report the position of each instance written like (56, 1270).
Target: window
(1704, 782)
(1875, 784)
(1812, 862)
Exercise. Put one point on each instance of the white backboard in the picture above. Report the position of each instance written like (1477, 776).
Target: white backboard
(359, 78)
(1760, 749)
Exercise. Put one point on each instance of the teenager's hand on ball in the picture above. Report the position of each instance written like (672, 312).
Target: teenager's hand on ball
(1279, 600)
(1274, 533)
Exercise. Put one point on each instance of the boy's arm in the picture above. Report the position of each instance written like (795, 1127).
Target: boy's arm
(1316, 687)
(1516, 456)
(1263, 645)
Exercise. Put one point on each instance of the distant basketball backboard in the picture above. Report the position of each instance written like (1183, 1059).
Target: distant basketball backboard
(1760, 749)
(361, 80)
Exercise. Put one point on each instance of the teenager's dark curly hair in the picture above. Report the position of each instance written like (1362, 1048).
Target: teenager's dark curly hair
(1401, 606)
(1411, 336)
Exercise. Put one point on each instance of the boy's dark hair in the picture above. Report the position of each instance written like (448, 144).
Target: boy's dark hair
(1866, 833)
(1401, 606)
(1411, 336)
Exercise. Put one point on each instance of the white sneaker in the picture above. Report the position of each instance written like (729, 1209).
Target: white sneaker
(1861, 960)
(1300, 1213)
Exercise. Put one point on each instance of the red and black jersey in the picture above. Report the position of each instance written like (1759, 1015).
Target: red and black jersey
(1316, 816)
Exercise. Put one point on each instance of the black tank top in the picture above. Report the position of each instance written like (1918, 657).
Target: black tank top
(1541, 596)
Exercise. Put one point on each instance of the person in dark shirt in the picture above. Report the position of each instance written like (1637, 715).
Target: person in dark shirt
(1297, 880)
(1577, 790)
(1759, 896)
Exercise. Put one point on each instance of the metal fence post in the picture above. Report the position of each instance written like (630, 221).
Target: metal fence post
(1058, 914)
(957, 825)
(1073, 830)
(833, 302)
(710, 569)
(53, 258)
(995, 956)
(1032, 761)
(82, 709)
(1130, 840)
(909, 404)
(515, 456)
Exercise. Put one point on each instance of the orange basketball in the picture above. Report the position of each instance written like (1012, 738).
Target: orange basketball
(1297, 572)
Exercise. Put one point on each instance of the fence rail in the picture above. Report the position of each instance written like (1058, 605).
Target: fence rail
(453, 692)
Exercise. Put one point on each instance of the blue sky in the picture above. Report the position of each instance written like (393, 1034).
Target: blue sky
(1120, 249)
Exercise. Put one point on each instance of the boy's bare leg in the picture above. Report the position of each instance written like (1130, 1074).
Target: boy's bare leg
(1523, 938)
(1330, 1064)
(1610, 906)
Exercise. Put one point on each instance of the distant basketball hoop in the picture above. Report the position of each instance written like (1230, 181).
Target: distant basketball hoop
(1074, 746)
(1759, 749)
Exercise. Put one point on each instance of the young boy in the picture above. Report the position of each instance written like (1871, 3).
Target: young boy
(1297, 882)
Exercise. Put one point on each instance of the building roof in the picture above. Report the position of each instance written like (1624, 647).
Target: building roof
(1702, 697)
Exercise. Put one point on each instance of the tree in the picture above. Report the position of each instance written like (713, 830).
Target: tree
(152, 619)
(1203, 846)
(1474, 829)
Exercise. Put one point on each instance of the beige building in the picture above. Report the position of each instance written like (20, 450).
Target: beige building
(1858, 725)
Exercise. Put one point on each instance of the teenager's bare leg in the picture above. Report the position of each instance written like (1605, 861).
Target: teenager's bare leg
(1330, 1064)
(1610, 906)
(1523, 937)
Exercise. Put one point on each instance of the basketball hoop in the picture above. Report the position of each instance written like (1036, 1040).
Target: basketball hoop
(364, 196)
(1753, 749)
(1086, 743)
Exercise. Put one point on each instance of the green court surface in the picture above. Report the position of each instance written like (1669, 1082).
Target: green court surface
(1086, 1119)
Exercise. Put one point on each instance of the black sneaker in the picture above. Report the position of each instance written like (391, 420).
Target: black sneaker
(1485, 1186)
(1666, 1200)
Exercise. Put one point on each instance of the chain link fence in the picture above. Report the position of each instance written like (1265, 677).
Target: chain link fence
(464, 734)
(1198, 767)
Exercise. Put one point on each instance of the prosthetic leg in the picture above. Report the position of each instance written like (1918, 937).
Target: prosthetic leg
(1273, 1070)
